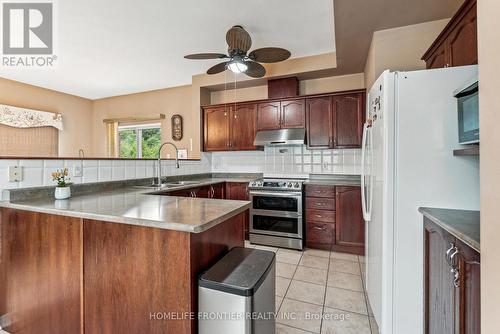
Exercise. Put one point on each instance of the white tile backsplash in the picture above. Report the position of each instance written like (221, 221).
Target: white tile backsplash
(38, 173)
(285, 162)
(296, 161)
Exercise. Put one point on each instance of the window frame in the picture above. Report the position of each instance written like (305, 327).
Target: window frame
(138, 128)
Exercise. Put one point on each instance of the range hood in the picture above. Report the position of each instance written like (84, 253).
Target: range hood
(283, 137)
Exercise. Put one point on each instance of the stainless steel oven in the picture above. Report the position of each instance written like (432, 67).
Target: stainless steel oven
(276, 216)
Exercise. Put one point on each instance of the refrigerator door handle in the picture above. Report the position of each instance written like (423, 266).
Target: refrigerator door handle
(371, 175)
(363, 171)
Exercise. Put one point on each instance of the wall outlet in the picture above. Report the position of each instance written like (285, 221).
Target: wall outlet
(182, 153)
(15, 173)
(78, 171)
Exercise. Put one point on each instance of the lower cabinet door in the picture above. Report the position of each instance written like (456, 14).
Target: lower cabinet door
(350, 230)
(239, 191)
(469, 290)
(319, 235)
(439, 294)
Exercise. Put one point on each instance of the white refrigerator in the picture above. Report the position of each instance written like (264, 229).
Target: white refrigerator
(408, 162)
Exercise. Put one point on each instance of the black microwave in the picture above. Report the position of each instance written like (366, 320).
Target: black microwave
(468, 113)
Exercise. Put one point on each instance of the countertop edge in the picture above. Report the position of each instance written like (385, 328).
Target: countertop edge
(450, 229)
(130, 221)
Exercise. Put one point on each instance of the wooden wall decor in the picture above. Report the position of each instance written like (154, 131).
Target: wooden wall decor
(177, 127)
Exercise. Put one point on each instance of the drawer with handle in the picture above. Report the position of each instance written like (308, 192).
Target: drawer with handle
(320, 233)
(320, 216)
(320, 203)
(320, 191)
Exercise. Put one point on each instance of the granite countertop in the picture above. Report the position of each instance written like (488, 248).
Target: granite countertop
(334, 180)
(462, 224)
(143, 206)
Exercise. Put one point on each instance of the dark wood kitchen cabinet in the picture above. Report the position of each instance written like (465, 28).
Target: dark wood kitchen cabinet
(332, 120)
(451, 283)
(239, 191)
(348, 119)
(243, 127)
(230, 128)
(268, 116)
(334, 220)
(286, 114)
(293, 114)
(350, 226)
(319, 111)
(335, 121)
(457, 43)
(216, 122)
(211, 191)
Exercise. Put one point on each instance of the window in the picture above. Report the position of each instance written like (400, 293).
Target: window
(139, 141)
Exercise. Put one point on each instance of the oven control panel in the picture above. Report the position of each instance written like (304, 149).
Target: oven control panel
(277, 184)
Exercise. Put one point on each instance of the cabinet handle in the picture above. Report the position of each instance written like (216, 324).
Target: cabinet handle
(450, 258)
(456, 277)
(448, 252)
(320, 228)
(318, 216)
(319, 204)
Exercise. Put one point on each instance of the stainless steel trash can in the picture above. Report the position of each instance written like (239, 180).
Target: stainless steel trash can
(237, 295)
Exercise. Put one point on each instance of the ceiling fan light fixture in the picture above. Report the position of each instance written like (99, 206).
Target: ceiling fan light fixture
(237, 66)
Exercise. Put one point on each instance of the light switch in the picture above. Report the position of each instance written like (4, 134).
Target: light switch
(15, 173)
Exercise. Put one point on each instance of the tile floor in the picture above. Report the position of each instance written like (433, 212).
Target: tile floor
(320, 292)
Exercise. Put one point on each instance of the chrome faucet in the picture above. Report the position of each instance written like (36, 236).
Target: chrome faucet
(158, 166)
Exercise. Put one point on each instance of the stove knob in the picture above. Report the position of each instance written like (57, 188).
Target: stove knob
(296, 185)
(289, 184)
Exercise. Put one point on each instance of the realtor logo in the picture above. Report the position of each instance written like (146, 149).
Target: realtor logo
(27, 28)
(28, 34)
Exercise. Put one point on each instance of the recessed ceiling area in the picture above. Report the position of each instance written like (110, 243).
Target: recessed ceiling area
(115, 47)
(356, 20)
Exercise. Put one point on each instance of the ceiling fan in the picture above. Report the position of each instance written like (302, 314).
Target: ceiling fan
(239, 42)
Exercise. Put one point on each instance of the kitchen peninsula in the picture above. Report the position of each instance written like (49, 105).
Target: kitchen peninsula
(112, 261)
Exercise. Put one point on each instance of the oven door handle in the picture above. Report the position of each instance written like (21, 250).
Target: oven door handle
(276, 194)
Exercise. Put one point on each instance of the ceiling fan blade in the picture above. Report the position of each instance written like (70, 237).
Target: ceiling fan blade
(221, 67)
(238, 38)
(255, 70)
(269, 55)
(197, 56)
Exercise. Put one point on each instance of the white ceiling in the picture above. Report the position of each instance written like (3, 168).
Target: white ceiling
(115, 47)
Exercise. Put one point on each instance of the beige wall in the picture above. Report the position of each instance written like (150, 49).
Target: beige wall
(76, 112)
(312, 86)
(489, 102)
(400, 48)
(169, 101)
(332, 84)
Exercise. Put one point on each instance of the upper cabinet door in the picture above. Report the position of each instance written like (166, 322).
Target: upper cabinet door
(293, 114)
(243, 127)
(216, 123)
(268, 116)
(438, 58)
(319, 122)
(348, 115)
(462, 42)
(350, 226)
(456, 45)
